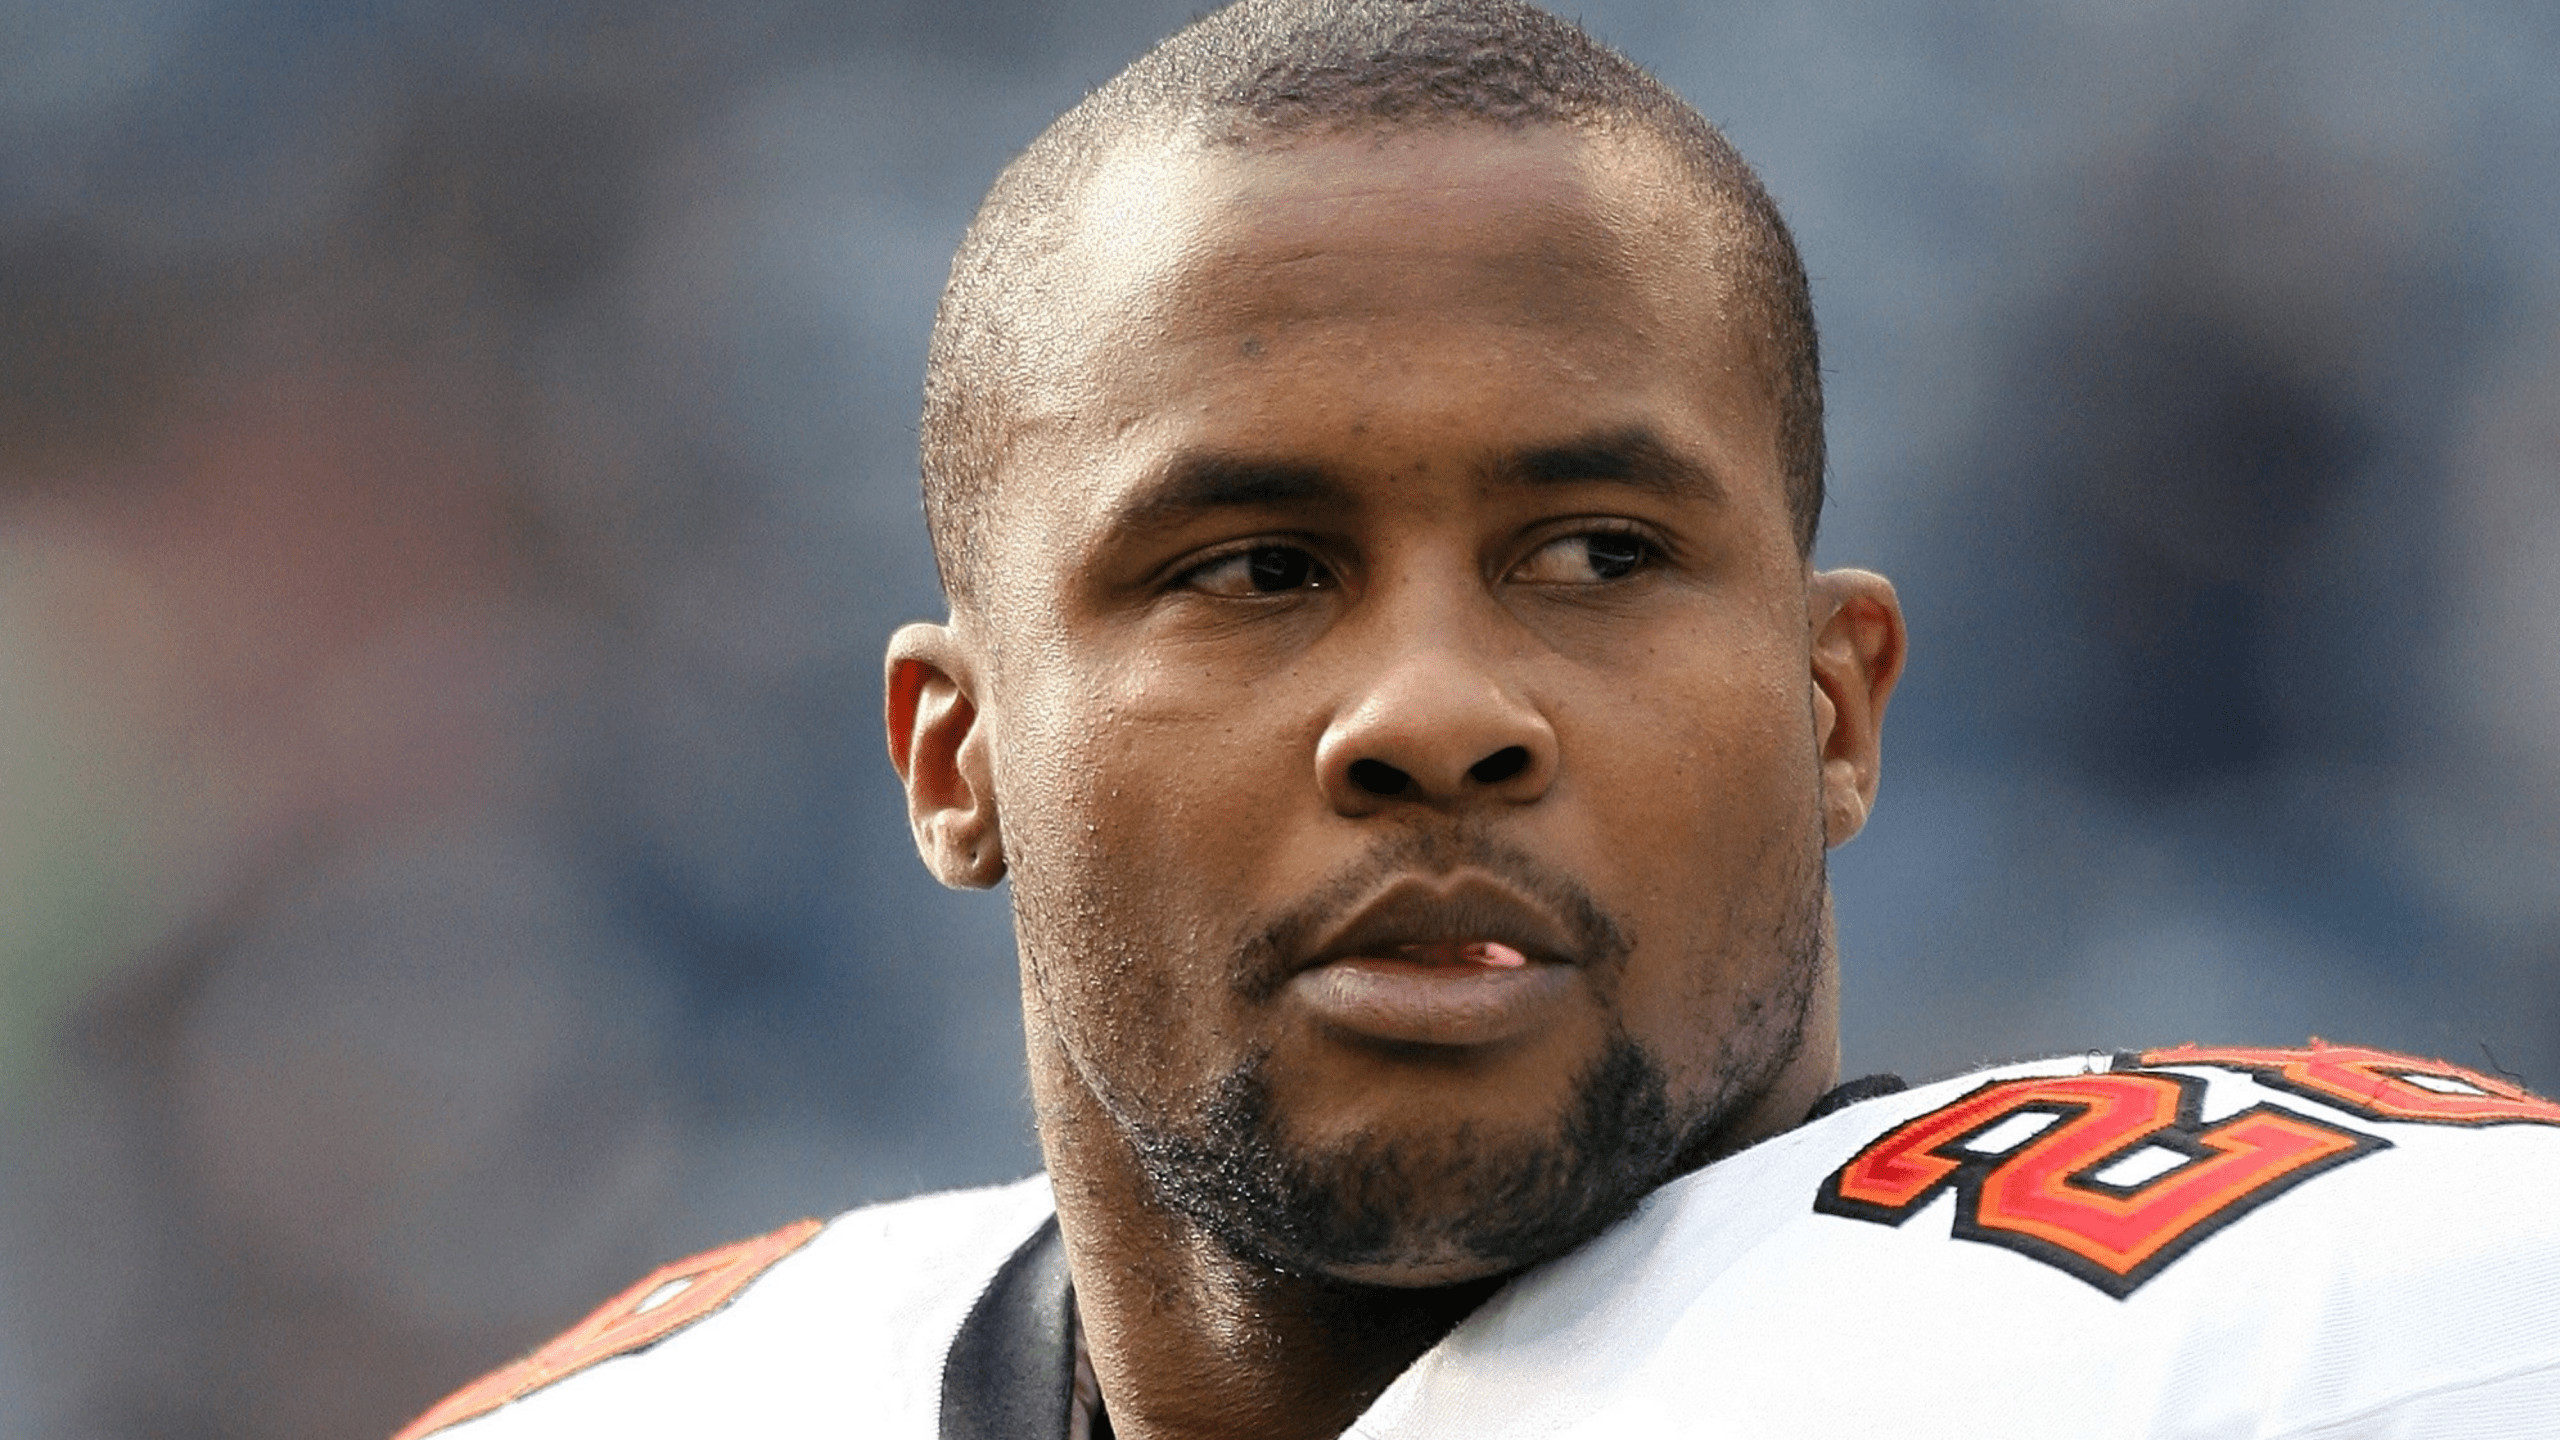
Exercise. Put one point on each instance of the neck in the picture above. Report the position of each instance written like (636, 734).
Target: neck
(1190, 1342)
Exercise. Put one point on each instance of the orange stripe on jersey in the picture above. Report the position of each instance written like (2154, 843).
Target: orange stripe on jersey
(2377, 1084)
(667, 1300)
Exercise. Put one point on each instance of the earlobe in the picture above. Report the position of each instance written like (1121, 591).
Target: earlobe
(1857, 653)
(940, 751)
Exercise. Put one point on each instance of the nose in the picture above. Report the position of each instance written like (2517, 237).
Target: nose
(1437, 726)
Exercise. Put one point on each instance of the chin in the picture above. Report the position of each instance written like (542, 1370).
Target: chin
(1418, 1272)
(1404, 1210)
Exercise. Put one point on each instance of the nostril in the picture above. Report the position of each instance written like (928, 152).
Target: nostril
(1501, 765)
(1378, 777)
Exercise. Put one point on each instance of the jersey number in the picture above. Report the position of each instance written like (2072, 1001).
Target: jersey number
(2108, 1177)
(2377, 1084)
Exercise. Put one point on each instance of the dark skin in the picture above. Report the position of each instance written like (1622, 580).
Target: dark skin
(1388, 496)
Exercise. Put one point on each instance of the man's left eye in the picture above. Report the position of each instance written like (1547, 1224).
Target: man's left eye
(1584, 559)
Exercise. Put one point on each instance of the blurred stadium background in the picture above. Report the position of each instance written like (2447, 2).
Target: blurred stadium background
(456, 473)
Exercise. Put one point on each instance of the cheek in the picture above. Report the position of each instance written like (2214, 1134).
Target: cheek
(1710, 809)
(1135, 816)
(1700, 772)
(1132, 776)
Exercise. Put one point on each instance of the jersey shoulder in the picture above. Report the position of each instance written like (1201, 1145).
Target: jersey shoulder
(800, 1331)
(2204, 1242)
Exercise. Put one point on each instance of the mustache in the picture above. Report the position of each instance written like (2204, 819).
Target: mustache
(1282, 942)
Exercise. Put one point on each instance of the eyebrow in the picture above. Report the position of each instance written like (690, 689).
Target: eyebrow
(1197, 483)
(1626, 455)
(1200, 483)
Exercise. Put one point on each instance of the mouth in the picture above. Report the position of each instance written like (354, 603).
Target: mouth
(1457, 961)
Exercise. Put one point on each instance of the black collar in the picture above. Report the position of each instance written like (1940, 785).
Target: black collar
(1011, 1372)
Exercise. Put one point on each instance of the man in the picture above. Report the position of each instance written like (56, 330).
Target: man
(1374, 451)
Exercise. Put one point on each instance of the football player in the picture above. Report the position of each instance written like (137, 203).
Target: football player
(1374, 448)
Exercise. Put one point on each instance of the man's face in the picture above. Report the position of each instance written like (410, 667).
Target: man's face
(1391, 675)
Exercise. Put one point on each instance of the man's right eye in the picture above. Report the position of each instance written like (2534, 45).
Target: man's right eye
(1262, 570)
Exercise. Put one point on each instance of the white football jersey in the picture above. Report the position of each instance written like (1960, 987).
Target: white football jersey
(2206, 1244)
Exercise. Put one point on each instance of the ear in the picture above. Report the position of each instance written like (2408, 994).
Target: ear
(940, 751)
(1858, 639)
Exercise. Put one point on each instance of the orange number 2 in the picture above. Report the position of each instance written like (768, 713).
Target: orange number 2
(2107, 1177)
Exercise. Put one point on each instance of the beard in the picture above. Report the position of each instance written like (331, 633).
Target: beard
(1458, 1201)
(1470, 1200)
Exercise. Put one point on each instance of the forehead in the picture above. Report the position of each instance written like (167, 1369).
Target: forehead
(1542, 227)
(1329, 293)
(1536, 225)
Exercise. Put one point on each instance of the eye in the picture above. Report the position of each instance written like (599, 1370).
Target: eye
(1590, 558)
(1261, 570)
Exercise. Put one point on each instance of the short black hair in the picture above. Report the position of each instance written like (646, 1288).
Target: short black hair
(1263, 68)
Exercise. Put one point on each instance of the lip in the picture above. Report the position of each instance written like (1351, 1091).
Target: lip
(1425, 963)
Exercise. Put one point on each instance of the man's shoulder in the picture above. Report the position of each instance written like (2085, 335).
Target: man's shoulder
(806, 1330)
(2191, 1241)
